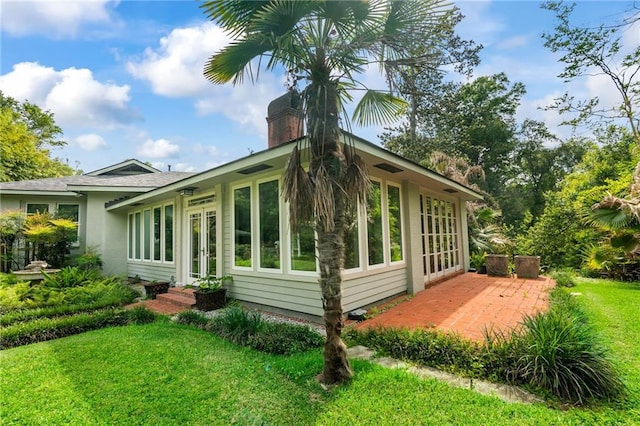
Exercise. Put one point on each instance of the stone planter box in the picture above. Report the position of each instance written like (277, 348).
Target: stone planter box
(497, 265)
(210, 301)
(527, 266)
(154, 289)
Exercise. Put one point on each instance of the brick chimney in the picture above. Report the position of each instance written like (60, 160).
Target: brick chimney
(284, 119)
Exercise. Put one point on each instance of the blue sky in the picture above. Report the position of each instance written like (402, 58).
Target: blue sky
(124, 78)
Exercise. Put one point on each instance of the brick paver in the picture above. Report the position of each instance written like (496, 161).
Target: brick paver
(469, 303)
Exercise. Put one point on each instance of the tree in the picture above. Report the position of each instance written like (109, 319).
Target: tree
(324, 44)
(25, 132)
(596, 51)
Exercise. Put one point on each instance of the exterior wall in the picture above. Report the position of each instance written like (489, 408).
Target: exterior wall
(107, 233)
(151, 271)
(19, 202)
(364, 290)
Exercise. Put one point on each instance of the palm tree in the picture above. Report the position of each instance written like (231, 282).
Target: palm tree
(323, 45)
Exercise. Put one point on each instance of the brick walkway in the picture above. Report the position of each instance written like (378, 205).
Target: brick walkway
(468, 303)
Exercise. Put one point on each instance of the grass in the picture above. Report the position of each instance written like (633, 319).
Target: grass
(165, 373)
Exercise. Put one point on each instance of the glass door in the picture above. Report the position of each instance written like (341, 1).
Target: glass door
(202, 244)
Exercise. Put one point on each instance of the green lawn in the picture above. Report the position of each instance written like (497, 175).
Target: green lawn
(165, 373)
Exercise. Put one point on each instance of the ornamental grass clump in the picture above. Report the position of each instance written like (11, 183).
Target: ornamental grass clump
(562, 353)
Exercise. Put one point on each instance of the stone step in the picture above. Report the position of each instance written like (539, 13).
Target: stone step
(181, 300)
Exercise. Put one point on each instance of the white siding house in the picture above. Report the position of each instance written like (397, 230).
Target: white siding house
(232, 220)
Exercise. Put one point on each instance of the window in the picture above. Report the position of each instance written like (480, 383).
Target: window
(37, 208)
(374, 226)
(72, 213)
(269, 207)
(351, 242)
(395, 223)
(242, 226)
(136, 232)
(157, 233)
(303, 248)
(146, 231)
(168, 233)
(151, 234)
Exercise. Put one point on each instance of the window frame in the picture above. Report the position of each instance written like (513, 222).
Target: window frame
(136, 234)
(258, 237)
(388, 224)
(234, 188)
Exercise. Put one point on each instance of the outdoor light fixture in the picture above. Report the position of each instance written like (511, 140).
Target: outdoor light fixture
(188, 191)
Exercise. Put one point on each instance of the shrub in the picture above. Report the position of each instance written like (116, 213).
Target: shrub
(564, 278)
(434, 348)
(236, 324)
(250, 329)
(71, 276)
(193, 318)
(285, 339)
(53, 328)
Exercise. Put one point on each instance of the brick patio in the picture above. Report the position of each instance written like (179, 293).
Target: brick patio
(468, 303)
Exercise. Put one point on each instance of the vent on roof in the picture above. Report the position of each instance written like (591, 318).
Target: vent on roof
(255, 169)
(388, 167)
(450, 190)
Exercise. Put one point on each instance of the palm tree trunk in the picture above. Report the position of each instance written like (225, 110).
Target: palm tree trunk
(327, 171)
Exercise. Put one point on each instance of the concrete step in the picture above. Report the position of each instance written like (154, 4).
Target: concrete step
(181, 300)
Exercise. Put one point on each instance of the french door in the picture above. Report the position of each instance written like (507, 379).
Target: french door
(440, 237)
(202, 244)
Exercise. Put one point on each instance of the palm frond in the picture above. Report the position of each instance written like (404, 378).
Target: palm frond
(297, 190)
(609, 217)
(234, 61)
(323, 200)
(235, 16)
(356, 183)
(377, 107)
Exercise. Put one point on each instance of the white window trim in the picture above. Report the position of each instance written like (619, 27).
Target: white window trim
(163, 245)
(256, 197)
(362, 239)
(385, 242)
(140, 233)
(233, 226)
(402, 235)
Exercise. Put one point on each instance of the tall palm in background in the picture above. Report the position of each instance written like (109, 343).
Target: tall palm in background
(323, 45)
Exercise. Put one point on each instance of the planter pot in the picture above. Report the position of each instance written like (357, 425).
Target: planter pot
(527, 266)
(497, 265)
(210, 301)
(153, 289)
(482, 269)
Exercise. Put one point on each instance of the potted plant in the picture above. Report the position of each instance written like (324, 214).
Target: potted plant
(211, 294)
(478, 262)
(154, 288)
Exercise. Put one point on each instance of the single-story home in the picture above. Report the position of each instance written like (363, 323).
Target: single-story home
(232, 220)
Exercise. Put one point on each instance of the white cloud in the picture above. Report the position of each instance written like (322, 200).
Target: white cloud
(91, 142)
(183, 167)
(72, 94)
(160, 148)
(174, 69)
(53, 18)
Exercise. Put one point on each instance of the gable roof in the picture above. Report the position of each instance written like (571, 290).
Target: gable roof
(127, 167)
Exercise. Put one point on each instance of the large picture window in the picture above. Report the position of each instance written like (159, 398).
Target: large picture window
(151, 234)
(395, 223)
(303, 248)
(351, 242)
(242, 226)
(269, 207)
(375, 243)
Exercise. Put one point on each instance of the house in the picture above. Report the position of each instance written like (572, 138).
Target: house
(232, 220)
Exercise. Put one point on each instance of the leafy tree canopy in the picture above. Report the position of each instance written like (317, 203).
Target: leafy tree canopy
(25, 133)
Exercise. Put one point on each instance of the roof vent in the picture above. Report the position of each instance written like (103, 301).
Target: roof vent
(450, 190)
(388, 167)
(254, 169)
